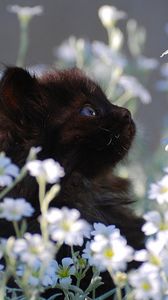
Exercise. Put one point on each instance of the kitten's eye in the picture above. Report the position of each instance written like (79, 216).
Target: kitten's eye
(88, 111)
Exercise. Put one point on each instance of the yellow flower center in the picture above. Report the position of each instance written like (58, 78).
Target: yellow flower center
(66, 226)
(163, 189)
(63, 272)
(163, 226)
(34, 250)
(155, 260)
(146, 286)
(108, 253)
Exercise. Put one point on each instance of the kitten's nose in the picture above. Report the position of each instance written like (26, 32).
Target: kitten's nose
(126, 115)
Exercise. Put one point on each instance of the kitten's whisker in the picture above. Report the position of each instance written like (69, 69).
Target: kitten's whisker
(105, 129)
(110, 141)
(124, 148)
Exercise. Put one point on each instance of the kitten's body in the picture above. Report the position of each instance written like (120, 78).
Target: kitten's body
(70, 117)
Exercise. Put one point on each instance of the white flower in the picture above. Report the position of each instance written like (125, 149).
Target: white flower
(25, 13)
(103, 230)
(48, 169)
(159, 190)
(8, 171)
(15, 209)
(64, 272)
(155, 222)
(164, 70)
(109, 15)
(32, 248)
(147, 63)
(107, 55)
(89, 254)
(67, 52)
(146, 283)
(65, 226)
(112, 253)
(153, 252)
(40, 275)
(162, 85)
(135, 88)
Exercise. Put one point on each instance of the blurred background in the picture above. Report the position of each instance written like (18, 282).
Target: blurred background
(122, 54)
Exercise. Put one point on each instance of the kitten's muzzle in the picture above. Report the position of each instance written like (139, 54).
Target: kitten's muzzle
(126, 115)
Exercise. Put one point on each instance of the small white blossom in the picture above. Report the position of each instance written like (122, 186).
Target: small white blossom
(89, 254)
(146, 63)
(25, 12)
(155, 222)
(153, 252)
(8, 171)
(159, 190)
(15, 209)
(135, 88)
(164, 70)
(48, 169)
(32, 248)
(146, 283)
(40, 275)
(162, 85)
(65, 226)
(67, 52)
(112, 253)
(107, 56)
(103, 230)
(109, 15)
(64, 272)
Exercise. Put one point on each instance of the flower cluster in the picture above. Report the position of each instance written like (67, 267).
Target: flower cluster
(150, 281)
(108, 250)
(15, 209)
(8, 171)
(49, 170)
(33, 257)
(65, 226)
(32, 248)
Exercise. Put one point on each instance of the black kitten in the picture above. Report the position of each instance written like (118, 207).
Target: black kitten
(70, 117)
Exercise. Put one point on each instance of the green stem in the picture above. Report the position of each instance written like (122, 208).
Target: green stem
(42, 189)
(106, 295)
(17, 180)
(23, 173)
(94, 294)
(43, 207)
(109, 34)
(3, 288)
(78, 275)
(17, 231)
(118, 293)
(23, 46)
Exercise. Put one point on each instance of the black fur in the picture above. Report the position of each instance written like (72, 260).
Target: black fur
(47, 112)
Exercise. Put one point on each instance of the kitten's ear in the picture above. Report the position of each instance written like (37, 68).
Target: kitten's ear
(16, 87)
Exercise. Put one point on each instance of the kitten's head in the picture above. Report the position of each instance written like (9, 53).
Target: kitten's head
(68, 115)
